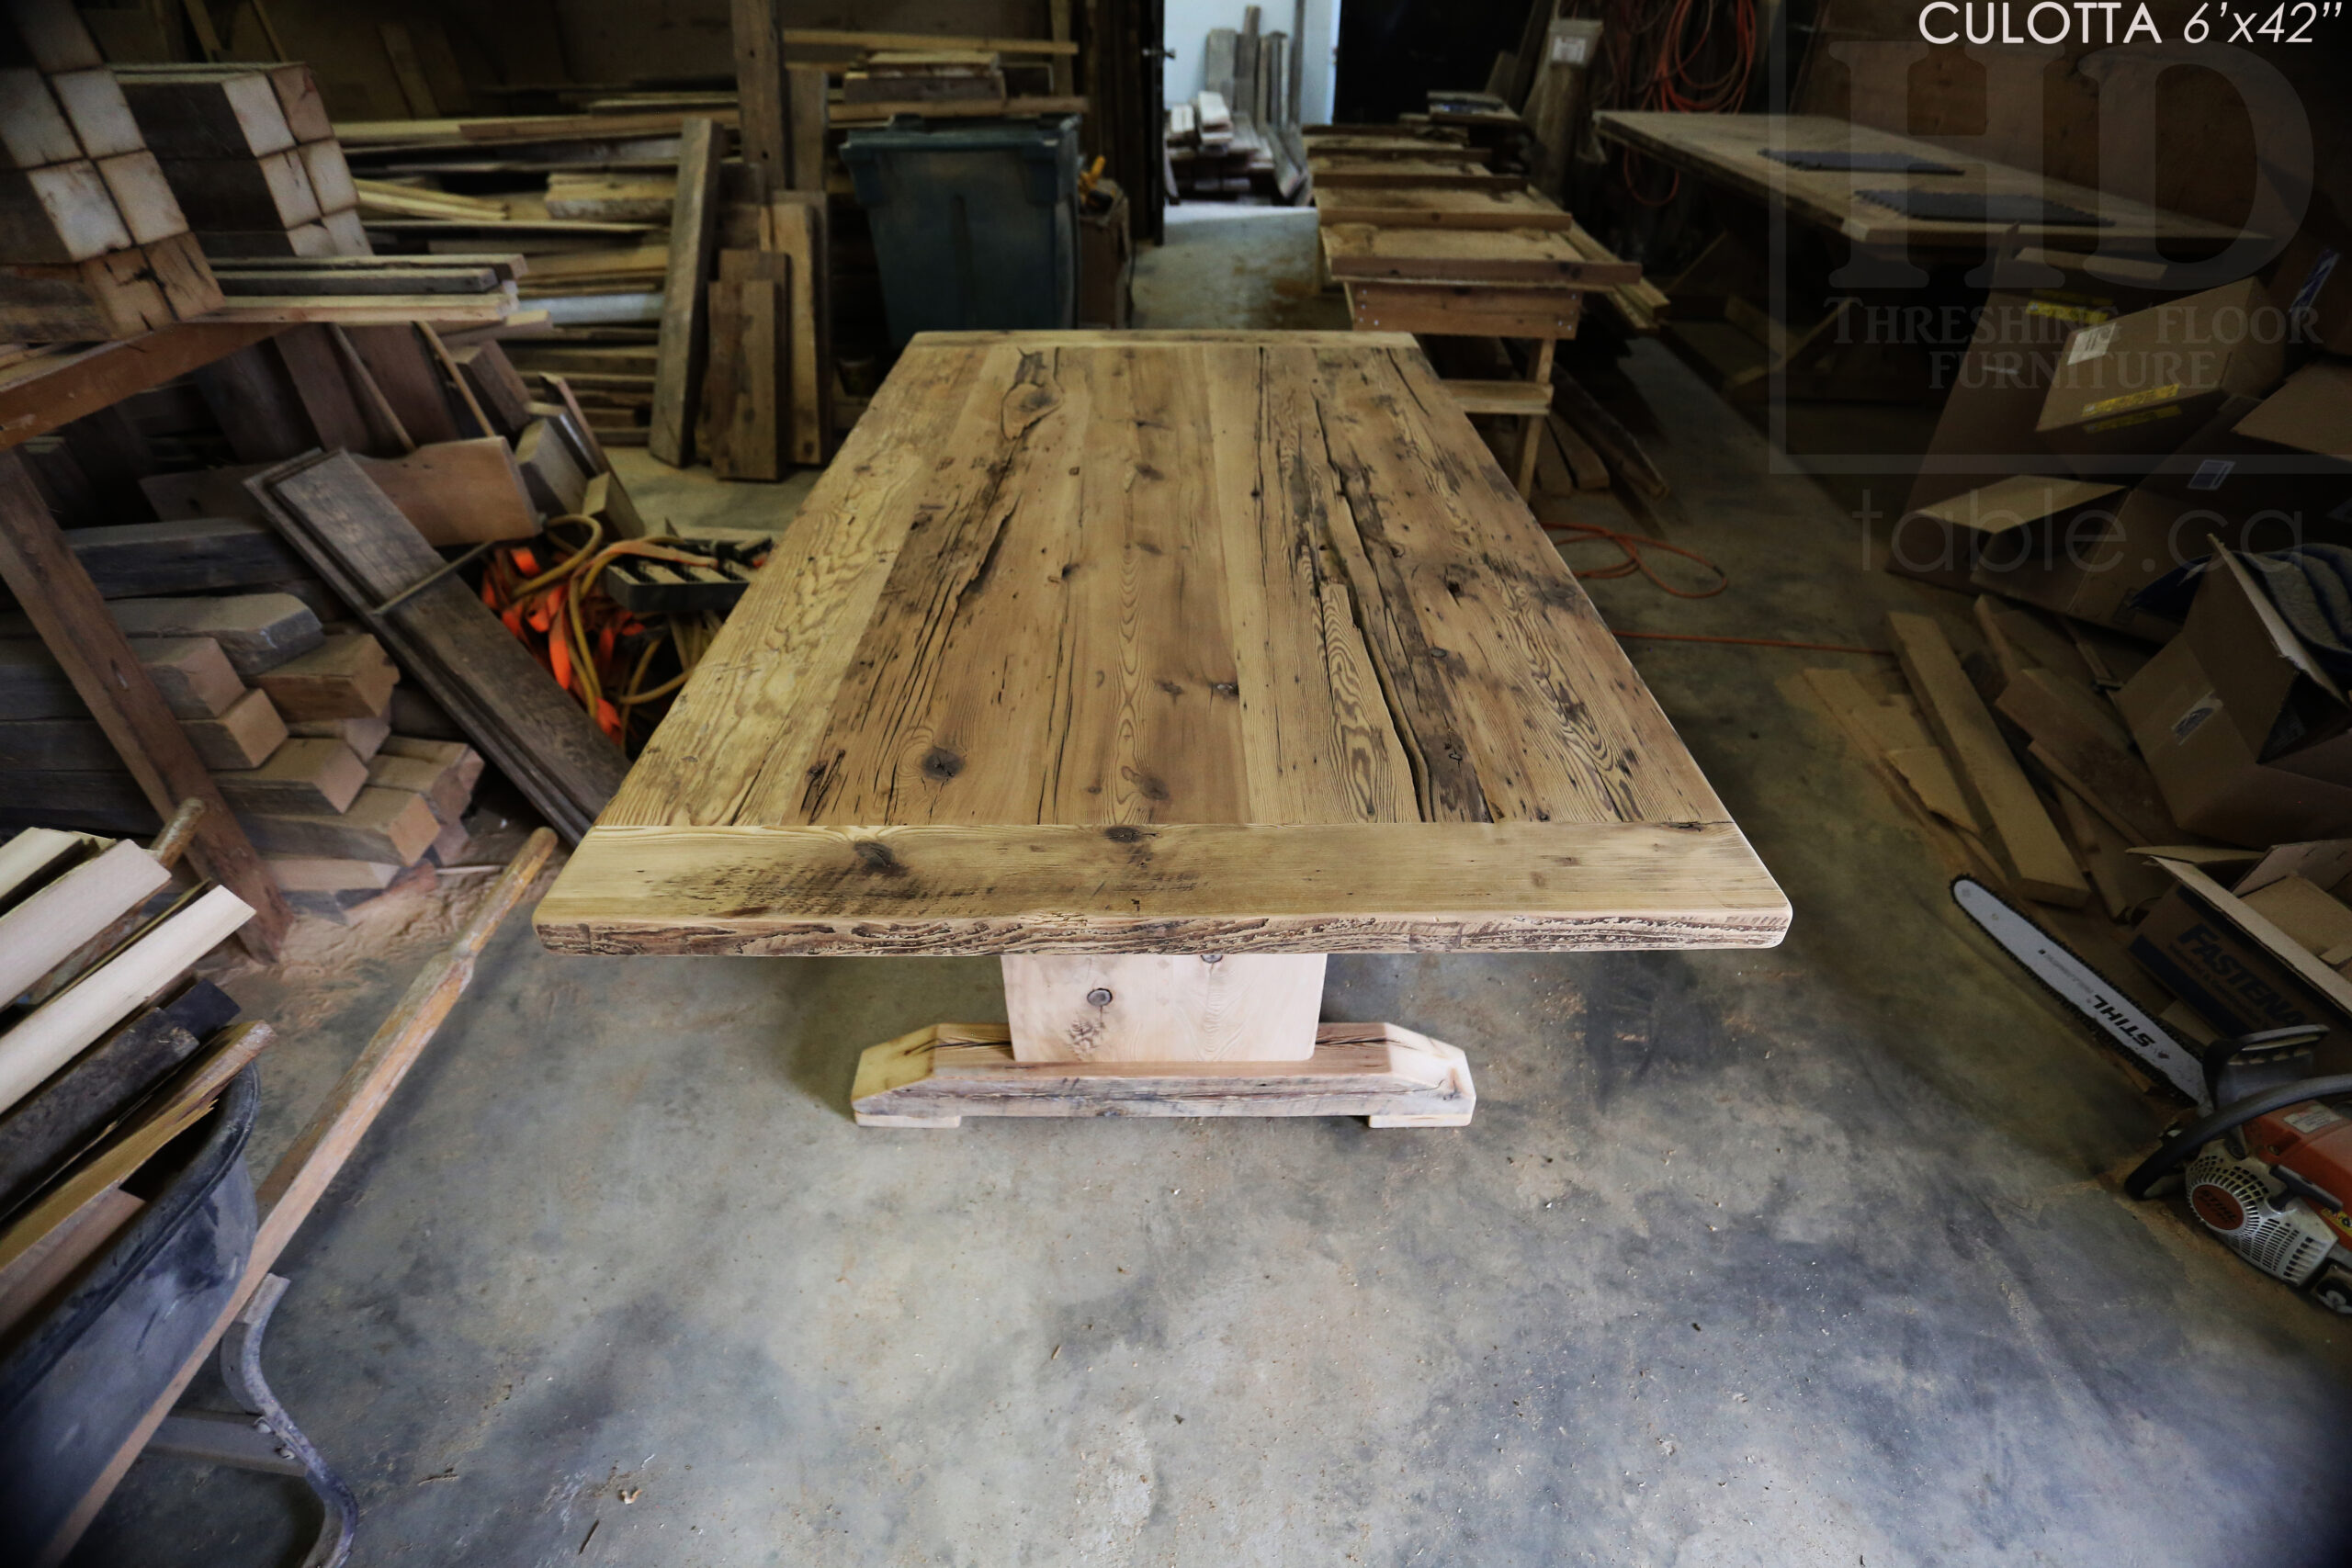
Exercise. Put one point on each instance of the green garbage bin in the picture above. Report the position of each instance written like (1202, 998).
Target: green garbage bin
(974, 222)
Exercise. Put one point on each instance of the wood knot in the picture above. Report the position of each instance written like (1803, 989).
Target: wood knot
(1124, 834)
(876, 856)
(939, 764)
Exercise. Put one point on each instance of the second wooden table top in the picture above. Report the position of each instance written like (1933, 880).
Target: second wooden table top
(1180, 642)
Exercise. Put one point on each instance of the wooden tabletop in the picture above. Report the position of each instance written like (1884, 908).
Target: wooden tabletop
(1729, 149)
(1352, 251)
(1182, 642)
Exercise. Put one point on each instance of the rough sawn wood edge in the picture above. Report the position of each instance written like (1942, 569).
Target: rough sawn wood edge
(938, 1075)
(1196, 887)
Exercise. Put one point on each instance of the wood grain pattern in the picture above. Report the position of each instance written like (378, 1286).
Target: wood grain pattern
(1062, 582)
(935, 1077)
(1163, 1007)
(1332, 888)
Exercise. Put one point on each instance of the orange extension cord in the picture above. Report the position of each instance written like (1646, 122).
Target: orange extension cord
(1634, 544)
(576, 630)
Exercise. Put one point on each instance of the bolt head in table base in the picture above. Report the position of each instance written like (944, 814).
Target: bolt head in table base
(939, 1075)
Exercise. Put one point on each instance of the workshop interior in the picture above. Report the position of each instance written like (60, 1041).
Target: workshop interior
(1164, 782)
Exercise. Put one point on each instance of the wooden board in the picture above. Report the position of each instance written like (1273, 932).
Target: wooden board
(1729, 150)
(46, 928)
(1309, 677)
(1403, 174)
(1358, 250)
(1410, 148)
(37, 1045)
(1998, 791)
(694, 229)
(444, 637)
(935, 1077)
(1466, 310)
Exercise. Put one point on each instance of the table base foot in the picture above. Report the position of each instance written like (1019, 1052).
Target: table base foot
(938, 1076)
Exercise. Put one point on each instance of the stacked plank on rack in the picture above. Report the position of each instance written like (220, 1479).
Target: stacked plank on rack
(92, 240)
(108, 1051)
(1239, 135)
(289, 716)
(252, 156)
(271, 627)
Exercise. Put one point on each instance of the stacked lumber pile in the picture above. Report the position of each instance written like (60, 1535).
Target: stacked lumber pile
(276, 599)
(107, 1049)
(92, 240)
(251, 155)
(1238, 136)
(928, 78)
(293, 716)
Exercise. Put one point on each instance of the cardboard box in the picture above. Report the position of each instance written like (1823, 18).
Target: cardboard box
(2250, 739)
(2074, 547)
(2310, 414)
(2145, 383)
(2233, 953)
(2017, 522)
(1986, 429)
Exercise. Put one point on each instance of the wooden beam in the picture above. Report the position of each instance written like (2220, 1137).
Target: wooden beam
(693, 233)
(807, 104)
(73, 621)
(43, 394)
(759, 92)
(799, 232)
(935, 1077)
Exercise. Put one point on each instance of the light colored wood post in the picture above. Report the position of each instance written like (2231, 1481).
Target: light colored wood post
(1163, 1007)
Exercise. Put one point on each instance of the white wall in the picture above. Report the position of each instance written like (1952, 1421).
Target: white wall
(1189, 22)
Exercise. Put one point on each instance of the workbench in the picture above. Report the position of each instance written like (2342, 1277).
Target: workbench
(1161, 665)
(1729, 150)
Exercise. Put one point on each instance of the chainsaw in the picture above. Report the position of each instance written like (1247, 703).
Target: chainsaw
(2265, 1160)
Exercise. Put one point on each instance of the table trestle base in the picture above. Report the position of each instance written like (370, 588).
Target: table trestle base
(937, 1076)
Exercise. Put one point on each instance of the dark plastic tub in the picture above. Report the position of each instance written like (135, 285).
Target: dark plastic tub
(73, 1390)
(975, 221)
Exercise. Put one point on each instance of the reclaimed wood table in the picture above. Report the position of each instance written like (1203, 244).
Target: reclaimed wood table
(1163, 664)
(1729, 150)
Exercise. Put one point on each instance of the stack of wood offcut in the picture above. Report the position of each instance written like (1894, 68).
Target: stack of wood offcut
(281, 650)
(251, 154)
(107, 1049)
(93, 239)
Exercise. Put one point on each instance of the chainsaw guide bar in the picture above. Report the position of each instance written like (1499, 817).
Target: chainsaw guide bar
(2083, 988)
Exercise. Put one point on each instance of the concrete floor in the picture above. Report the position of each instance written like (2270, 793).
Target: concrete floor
(1807, 1255)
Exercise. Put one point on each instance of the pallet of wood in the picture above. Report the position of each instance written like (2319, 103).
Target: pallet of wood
(94, 244)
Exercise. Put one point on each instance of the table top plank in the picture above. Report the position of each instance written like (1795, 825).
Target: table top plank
(785, 649)
(1552, 722)
(1094, 623)
(1318, 741)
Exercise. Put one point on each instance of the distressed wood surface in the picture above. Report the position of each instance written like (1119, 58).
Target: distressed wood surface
(935, 1077)
(1261, 605)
